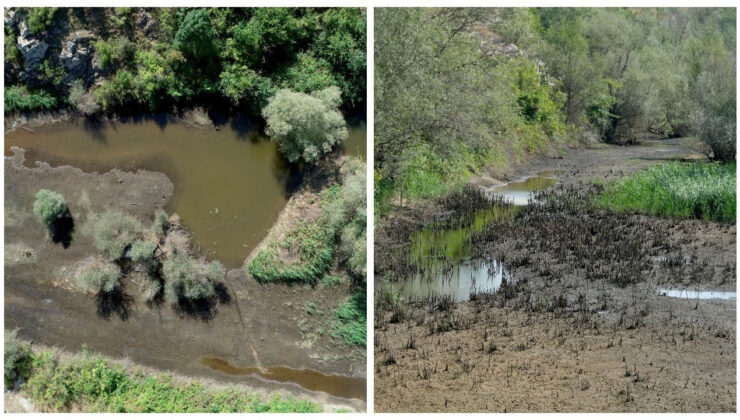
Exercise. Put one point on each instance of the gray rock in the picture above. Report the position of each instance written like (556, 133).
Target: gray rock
(32, 49)
(76, 57)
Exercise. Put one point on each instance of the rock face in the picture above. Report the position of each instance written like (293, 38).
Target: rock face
(76, 57)
(32, 49)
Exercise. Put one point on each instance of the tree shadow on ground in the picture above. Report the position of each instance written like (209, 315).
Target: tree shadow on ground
(203, 309)
(61, 230)
(114, 303)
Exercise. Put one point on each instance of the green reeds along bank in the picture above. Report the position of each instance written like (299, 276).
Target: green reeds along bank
(90, 383)
(685, 190)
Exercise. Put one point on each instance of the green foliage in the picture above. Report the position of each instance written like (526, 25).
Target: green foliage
(195, 38)
(346, 214)
(331, 282)
(91, 383)
(20, 99)
(314, 245)
(49, 206)
(114, 231)
(142, 252)
(350, 321)
(11, 47)
(305, 126)
(683, 190)
(17, 359)
(99, 277)
(114, 52)
(39, 18)
(190, 279)
(161, 223)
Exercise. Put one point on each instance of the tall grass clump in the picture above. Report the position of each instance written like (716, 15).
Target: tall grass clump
(91, 383)
(682, 190)
(188, 278)
(350, 321)
(99, 277)
(314, 247)
(20, 99)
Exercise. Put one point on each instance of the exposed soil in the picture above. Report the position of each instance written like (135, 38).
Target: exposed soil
(579, 326)
(257, 325)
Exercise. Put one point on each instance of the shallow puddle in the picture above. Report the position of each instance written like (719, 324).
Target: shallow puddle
(696, 294)
(520, 192)
(230, 184)
(339, 386)
(442, 259)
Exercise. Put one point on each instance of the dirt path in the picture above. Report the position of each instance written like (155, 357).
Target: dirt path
(40, 299)
(564, 336)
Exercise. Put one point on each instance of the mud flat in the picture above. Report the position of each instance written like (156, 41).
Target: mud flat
(580, 324)
(256, 326)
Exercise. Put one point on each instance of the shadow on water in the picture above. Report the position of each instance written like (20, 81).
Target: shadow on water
(338, 386)
(62, 229)
(115, 303)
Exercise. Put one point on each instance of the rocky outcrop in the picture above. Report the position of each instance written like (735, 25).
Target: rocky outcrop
(31, 48)
(76, 57)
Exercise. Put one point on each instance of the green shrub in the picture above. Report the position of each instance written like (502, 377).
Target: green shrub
(350, 323)
(142, 252)
(49, 206)
(114, 231)
(39, 18)
(190, 279)
(161, 223)
(99, 277)
(91, 383)
(315, 248)
(20, 99)
(684, 190)
(331, 281)
(17, 359)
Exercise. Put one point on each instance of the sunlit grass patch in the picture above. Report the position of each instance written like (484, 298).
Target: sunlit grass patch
(683, 190)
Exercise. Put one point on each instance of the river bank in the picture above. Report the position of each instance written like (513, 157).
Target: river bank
(581, 322)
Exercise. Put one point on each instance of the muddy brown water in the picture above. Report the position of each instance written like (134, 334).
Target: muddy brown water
(442, 256)
(340, 386)
(230, 184)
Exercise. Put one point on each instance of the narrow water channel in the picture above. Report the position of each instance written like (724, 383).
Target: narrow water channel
(339, 386)
(230, 184)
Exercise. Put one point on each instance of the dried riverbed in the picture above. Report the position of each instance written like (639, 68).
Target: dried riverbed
(580, 326)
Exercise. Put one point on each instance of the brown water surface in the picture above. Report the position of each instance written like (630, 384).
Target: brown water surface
(230, 184)
(340, 386)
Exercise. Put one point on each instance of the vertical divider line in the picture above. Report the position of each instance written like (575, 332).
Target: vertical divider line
(370, 269)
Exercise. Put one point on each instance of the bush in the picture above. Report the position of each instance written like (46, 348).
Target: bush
(39, 18)
(49, 206)
(142, 252)
(686, 190)
(347, 215)
(20, 99)
(190, 279)
(99, 277)
(161, 223)
(17, 359)
(305, 126)
(114, 231)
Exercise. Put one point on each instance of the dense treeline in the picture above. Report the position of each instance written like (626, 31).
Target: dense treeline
(457, 89)
(132, 59)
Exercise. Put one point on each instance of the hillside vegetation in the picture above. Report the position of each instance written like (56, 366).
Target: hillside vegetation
(461, 89)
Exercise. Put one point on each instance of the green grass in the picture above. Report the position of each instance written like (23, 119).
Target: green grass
(19, 98)
(682, 190)
(350, 321)
(93, 384)
(314, 246)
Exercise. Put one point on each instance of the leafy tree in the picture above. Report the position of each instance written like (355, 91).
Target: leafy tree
(49, 206)
(195, 38)
(17, 359)
(305, 126)
(114, 231)
(39, 18)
